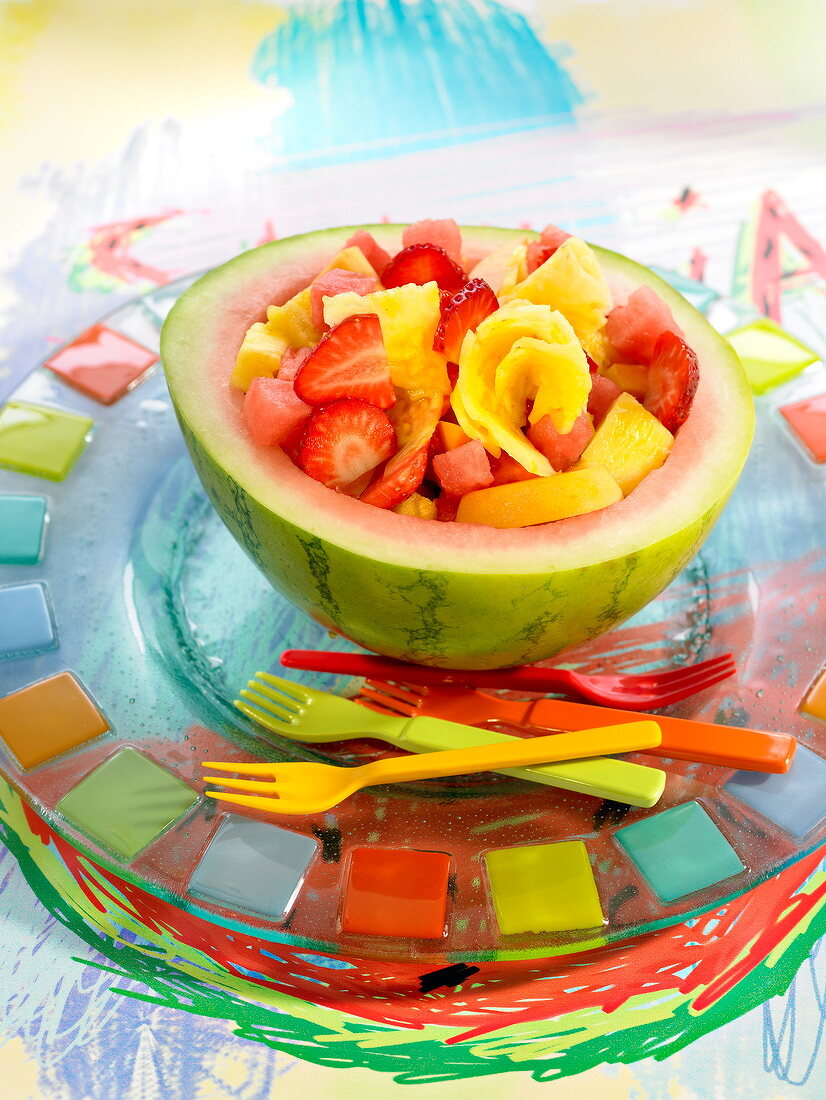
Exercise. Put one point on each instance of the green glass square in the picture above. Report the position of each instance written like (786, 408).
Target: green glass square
(679, 851)
(22, 523)
(41, 441)
(770, 355)
(127, 802)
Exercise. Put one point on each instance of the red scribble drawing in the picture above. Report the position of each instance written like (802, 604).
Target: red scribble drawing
(110, 249)
(697, 268)
(269, 233)
(687, 200)
(775, 222)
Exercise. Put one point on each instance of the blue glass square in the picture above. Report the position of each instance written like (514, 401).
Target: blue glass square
(22, 522)
(795, 801)
(679, 851)
(26, 624)
(253, 866)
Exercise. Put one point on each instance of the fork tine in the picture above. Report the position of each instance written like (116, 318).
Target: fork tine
(270, 705)
(389, 704)
(241, 767)
(405, 693)
(289, 688)
(255, 802)
(254, 786)
(275, 695)
(274, 725)
(696, 671)
(685, 690)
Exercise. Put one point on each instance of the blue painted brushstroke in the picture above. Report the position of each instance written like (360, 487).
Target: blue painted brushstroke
(372, 78)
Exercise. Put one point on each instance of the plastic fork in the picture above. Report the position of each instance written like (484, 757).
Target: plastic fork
(683, 738)
(305, 788)
(275, 703)
(625, 691)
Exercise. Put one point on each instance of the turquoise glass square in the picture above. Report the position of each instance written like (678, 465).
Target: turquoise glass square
(42, 441)
(26, 624)
(795, 801)
(22, 523)
(679, 851)
(127, 802)
(254, 866)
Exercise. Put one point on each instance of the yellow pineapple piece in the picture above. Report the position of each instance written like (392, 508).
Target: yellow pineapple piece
(631, 377)
(408, 316)
(540, 500)
(293, 322)
(417, 505)
(352, 259)
(629, 443)
(498, 265)
(515, 271)
(571, 281)
(259, 354)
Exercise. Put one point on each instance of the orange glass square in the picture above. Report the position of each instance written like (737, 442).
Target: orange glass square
(396, 892)
(815, 701)
(49, 718)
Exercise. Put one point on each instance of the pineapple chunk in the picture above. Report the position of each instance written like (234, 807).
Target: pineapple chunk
(498, 265)
(259, 355)
(293, 322)
(629, 443)
(631, 377)
(352, 259)
(417, 505)
(540, 500)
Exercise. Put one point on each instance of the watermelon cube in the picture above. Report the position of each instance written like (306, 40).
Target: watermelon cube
(562, 451)
(634, 328)
(337, 281)
(273, 412)
(463, 469)
(604, 392)
(375, 255)
(291, 361)
(443, 232)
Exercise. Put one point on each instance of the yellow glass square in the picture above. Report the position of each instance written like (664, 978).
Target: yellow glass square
(543, 888)
(815, 701)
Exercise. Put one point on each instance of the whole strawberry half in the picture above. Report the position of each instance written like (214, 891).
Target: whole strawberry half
(344, 441)
(461, 313)
(350, 361)
(423, 263)
(672, 380)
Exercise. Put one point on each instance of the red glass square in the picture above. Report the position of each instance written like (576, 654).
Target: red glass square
(102, 363)
(807, 420)
(396, 892)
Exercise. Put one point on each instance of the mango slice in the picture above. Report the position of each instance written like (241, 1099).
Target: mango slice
(629, 443)
(571, 281)
(540, 500)
(408, 316)
(259, 355)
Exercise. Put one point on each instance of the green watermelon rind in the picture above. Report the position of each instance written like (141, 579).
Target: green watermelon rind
(442, 594)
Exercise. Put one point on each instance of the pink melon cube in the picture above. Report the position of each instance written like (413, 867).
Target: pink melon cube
(634, 328)
(562, 451)
(549, 241)
(291, 361)
(273, 412)
(603, 394)
(463, 469)
(443, 232)
(337, 281)
(375, 255)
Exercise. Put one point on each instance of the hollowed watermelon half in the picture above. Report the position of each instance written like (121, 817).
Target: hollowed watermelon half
(442, 593)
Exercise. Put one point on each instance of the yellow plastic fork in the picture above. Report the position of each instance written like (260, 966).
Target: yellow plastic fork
(301, 713)
(306, 788)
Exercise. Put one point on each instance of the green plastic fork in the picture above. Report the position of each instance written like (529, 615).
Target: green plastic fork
(301, 713)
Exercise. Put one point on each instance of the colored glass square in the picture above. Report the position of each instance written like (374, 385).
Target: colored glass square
(254, 866)
(770, 355)
(49, 718)
(102, 363)
(807, 419)
(795, 801)
(396, 892)
(26, 623)
(22, 524)
(815, 701)
(679, 851)
(543, 888)
(41, 441)
(127, 802)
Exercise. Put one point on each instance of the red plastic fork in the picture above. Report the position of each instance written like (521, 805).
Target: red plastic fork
(646, 691)
(682, 738)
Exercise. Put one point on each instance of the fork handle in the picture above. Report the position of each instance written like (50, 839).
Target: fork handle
(625, 737)
(682, 738)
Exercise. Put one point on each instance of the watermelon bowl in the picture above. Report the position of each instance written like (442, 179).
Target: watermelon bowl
(443, 593)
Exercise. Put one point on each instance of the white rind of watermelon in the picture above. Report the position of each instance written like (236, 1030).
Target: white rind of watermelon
(447, 594)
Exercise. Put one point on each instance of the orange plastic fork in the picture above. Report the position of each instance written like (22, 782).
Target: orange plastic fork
(682, 738)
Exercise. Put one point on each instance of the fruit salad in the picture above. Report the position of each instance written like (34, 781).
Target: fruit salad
(512, 394)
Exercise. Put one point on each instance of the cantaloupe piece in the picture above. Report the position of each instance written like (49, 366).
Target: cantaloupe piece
(630, 443)
(541, 499)
(449, 435)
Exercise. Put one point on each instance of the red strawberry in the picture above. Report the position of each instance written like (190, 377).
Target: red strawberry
(461, 314)
(672, 380)
(423, 263)
(415, 422)
(344, 441)
(350, 361)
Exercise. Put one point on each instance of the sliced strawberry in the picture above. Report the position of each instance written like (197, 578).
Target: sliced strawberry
(415, 422)
(423, 263)
(446, 507)
(350, 361)
(344, 441)
(672, 381)
(461, 314)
